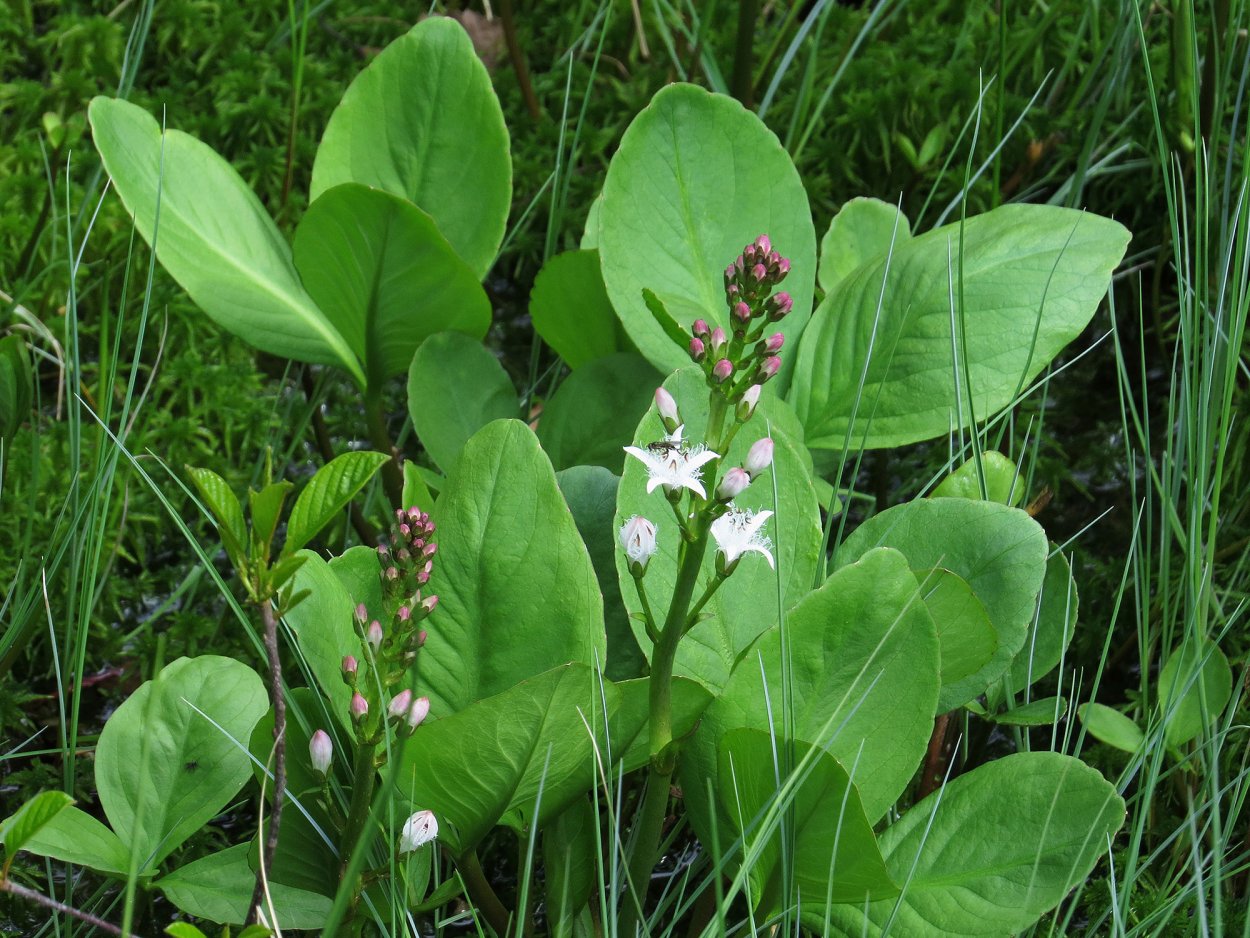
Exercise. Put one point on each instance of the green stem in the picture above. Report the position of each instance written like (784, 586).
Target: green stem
(481, 893)
(748, 11)
(646, 610)
(392, 474)
(364, 778)
(708, 593)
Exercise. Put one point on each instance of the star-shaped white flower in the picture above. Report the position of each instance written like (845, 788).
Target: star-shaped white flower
(737, 532)
(672, 465)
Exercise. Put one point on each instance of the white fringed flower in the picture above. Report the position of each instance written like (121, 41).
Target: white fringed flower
(418, 831)
(670, 464)
(638, 539)
(737, 532)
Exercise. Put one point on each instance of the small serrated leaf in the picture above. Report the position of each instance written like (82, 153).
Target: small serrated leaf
(327, 493)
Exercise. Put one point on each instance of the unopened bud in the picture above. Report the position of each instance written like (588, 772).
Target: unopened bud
(759, 272)
(423, 634)
(404, 613)
(362, 614)
(722, 369)
(718, 340)
(359, 707)
(375, 635)
(779, 305)
(401, 703)
(742, 312)
(700, 329)
(419, 710)
(638, 538)
(764, 244)
(773, 344)
(746, 406)
(783, 268)
(428, 605)
(697, 350)
(349, 668)
(769, 367)
(320, 752)
(667, 407)
(759, 457)
(734, 484)
(429, 550)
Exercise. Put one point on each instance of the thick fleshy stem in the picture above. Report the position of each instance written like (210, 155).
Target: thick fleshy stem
(364, 777)
(480, 891)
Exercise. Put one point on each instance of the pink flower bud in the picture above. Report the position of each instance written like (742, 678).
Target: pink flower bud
(718, 340)
(746, 406)
(774, 343)
(722, 369)
(401, 703)
(748, 253)
(392, 573)
(320, 752)
(742, 312)
(359, 707)
(418, 712)
(667, 407)
(730, 272)
(428, 605)
(405, 530)
(780, 305)
(697, 349)
(700, 329)
(423, 634)
(759, 272)
(375, 635)
(429, 550)
(404, 613)
(764, 244)
(759, 457)
(349, 666)
(734, 484)
(362, 614)
(769, 367)
(383, 550)
(783, 268)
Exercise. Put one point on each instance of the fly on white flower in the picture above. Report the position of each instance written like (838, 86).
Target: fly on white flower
(674, 466)
(737, 532)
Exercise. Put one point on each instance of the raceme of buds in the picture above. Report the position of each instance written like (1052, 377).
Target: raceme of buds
(759, 457)
(418, 831)
(734, 484)
(320, 752)
(638, 538)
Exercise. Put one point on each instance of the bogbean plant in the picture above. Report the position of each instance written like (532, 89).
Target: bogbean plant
(642, 592)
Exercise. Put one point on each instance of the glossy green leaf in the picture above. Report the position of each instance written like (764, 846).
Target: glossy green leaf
(862, 678)
(303, 859)
(74, 836)
(218, 888)
(27, 820)
(327, 493)
(1032, 276)
(416, 492)
(991, 852)
(570, 309)
(266, 507)
(385, 277)
(227, 511)
(965, 633)
(16, 385)
(833, 855)
(695, 179)
(517, 591)
(183, 930)
(1194, 687)
(214, 237)
(422, 122)
(1110, 726)
(1052, 628)
(517, 758)
(999, 552)
(456, 386)
(324, 625)
(570, 863)
(629, 725)
(1002, 480)
(590, 492)
(1045, 712)
(175, 753)
(862, 231)
(592, 416)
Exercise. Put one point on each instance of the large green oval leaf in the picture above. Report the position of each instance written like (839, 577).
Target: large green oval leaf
(175, 752)
(696, 178)
(999, 552)
(1194, 688)
(517, 592)
(384, 276)
(570, 309)
(214, 237)
(74, 836)
(1052, 628)
(833, 855)
(1006, 843)
(422, 122)
(516, 758)
(456, 386)
(591, 417)
(746, 604)
(862, 679)
(1032, 276)
(324, 624)
(863, 230)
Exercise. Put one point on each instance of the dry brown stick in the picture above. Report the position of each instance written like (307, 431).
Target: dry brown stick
(39, 898)
(279, 757)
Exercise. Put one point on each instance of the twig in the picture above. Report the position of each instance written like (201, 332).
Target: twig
(934, 771)
(518, 58)
(39, 898)
(279, 755)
